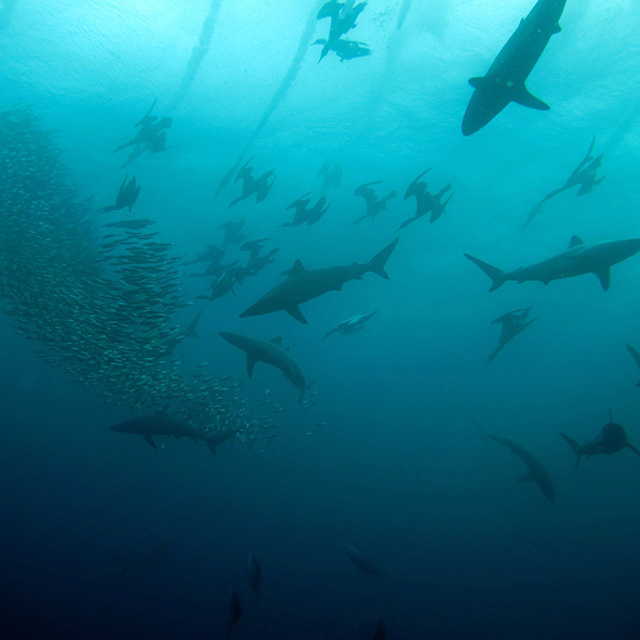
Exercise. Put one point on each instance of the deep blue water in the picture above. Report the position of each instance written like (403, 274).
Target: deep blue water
(387, 459)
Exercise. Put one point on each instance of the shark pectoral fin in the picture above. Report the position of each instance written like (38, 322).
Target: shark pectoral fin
(149, 439)
(251, 363)
(297, 268)
(523, 97)
(295, 313)
(526, 478)
(212, 446)
(604, 276)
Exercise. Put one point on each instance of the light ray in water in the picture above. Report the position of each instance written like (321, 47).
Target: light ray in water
(199, 51)
(281, 91)
(404, 10)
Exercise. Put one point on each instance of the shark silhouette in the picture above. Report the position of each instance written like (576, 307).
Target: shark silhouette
(270, 352)
(305, 284)
(578, 259)
(504, 82)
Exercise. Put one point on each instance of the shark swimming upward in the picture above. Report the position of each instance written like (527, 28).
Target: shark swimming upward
(578, 259)
(504, 82)
(305, 284)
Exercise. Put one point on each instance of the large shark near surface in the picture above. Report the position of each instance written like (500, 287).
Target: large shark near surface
(305, 284)
(504, 82)
(159, 424)
(270, 352)
(536, 471)
(578, 259)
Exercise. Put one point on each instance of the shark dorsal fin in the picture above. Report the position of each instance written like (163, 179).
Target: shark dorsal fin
(297, 268)
(476, 82)
(575, 241)
(277, 341)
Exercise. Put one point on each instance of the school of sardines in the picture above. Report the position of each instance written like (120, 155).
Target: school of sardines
(101, 300)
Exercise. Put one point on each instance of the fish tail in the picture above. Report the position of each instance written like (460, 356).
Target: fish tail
(376, 264)
(496, 275)
(575, 447)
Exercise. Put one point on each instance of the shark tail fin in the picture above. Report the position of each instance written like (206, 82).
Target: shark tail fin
(575, 447)
(496, 275)
(481, 431)
(376, 264)
(630, 446)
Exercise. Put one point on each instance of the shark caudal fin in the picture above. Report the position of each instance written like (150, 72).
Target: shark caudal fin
(497, 275)
(376, 264)
(630, 446)
(575, 447)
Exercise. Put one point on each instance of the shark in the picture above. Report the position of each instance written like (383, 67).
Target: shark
(505, 79)
(579, 258)
(271, 353)
(364, 563)
(611, 439)
(536, 471)
(305, 284)
(159, 424)
(636, 356)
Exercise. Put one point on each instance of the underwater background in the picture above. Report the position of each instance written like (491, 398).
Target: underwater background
(383, 454)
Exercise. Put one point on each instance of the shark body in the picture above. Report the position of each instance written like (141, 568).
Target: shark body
(305, 284)
(578, 259)
(611, 439)
(159, 424)
(271, 353)
(505, 79)
(536, 471)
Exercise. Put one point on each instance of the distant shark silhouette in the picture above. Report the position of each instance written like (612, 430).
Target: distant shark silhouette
(305, 284)
(270, 352)
(363, 562)
(578, 259)
(536, 470)
(504, 82)
(159, 424)
(611, 439)
(636, 356)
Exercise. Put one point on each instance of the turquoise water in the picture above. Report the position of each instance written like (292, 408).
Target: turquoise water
(383, 455)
